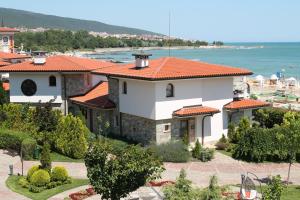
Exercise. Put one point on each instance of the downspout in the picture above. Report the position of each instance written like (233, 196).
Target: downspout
(65, 94)
(210, 115)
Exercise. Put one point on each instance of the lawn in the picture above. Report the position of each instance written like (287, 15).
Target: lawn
(226, 153)
(12, 183)
(56, 157)
(291, 192)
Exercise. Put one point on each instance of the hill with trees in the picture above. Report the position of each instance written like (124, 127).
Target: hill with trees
(21, 18)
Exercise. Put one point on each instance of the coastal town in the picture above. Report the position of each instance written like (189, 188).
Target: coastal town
(131, 114)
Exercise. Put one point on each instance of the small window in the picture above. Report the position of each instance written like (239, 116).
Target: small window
(124, 89)
(52, 81)
(170, 90)
(167, 128)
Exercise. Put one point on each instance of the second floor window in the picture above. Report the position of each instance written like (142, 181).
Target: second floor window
(52, 81)
(170, 90)
(124, 89)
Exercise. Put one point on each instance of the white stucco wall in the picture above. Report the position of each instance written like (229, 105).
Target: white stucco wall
(44, 92)
(140, 98)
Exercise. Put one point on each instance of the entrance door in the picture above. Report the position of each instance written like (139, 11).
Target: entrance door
(187, 126)
(192, 132)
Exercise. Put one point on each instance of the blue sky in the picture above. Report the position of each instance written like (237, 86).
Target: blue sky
(226, 20)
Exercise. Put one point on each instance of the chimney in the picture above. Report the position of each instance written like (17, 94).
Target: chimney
(141, 60)
(39, 57)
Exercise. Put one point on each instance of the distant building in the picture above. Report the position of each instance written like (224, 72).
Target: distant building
(7, 39)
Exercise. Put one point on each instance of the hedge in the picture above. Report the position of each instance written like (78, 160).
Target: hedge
(174, 151)
(28, 147)
(10, 139)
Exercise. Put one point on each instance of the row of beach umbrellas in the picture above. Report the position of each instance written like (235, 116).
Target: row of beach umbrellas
(273, 77)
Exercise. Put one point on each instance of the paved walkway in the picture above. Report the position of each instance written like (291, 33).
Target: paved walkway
(227, 169)
(7, 159)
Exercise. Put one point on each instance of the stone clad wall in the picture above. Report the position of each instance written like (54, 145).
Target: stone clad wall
(138, 129)
(174, 134)
(113, 88)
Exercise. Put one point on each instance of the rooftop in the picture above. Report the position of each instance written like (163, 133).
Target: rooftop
(245, 104)
(195, 110)
(97, 97)
(172, 68)
(8, 56)
(58, 64)
(7, 29)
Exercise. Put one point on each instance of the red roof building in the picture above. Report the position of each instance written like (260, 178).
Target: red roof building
(97, 97)
(7, 29)
(58, 64)
(172, 68)
(195, 110)
(245, 104)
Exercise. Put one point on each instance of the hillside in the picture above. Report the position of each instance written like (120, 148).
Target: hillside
(21, 18)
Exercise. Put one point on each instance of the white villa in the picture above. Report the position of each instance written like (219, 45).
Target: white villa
(149, 100)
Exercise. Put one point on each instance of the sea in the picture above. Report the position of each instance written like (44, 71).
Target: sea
(261, 58)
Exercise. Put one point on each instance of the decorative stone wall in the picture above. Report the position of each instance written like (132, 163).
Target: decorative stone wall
(106, 116)
(113, 88)
(139, 129)
(174, 134)
(75, 84)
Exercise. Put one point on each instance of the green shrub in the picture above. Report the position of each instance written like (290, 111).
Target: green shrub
(206, 154)
(231, 132)
(71, 137)
(222, 144)
(31, 171)
(23, 182)
(10, 139)
(213, 191)
(46, 157)
(185, 139)
(28, 147)
(173, 151)
(117, 145)
(196, 151)
(35, 189)
(274, 189)
(269, 117)
(40, 178)
(59, 174)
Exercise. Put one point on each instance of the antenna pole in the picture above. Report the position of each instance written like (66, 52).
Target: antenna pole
(169, 33)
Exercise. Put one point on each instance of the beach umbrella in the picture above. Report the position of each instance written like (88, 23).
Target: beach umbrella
(274, 77)
(259, 78)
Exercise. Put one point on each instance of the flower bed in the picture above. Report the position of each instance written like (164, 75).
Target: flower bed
(82, 194)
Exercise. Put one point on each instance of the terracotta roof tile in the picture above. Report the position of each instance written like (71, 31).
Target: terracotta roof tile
(195, 110)
(8, 56)
(7, 29)
(172, 68)
(96, 97)
(58, 64)
(2, 63)
(245, 104)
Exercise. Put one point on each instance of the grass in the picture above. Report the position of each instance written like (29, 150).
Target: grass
(56, 157)
(12, 183)
(226, 153)
(291, 192)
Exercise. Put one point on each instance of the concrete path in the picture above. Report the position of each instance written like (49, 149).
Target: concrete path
(6, 159)
(64, 194)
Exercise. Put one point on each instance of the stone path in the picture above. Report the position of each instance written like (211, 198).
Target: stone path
(227, 169)
(7, 159)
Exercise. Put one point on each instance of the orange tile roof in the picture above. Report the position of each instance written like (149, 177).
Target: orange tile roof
(58, 64)
(8, 56)
(2, 63)
(7, 29)
(194, 110)
(172, 68)
(245, 104)
(96, 97)
(5, 86)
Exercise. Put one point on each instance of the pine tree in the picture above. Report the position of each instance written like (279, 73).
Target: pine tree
(45, 157)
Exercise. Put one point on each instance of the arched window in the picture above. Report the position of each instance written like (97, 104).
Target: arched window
(52, 81)
(124, 87)
(170, 90)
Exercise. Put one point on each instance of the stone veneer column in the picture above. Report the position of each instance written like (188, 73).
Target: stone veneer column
(113, 88)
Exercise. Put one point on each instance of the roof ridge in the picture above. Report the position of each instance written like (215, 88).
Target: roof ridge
(69, 60)
(160, 66)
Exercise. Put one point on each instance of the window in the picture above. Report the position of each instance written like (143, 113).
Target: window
(5, 40)
(28, 87)
(124, 88)
(52, 81)
(167, 127)
(170, 90)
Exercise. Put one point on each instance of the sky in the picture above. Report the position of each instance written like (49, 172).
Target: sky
(225, 20)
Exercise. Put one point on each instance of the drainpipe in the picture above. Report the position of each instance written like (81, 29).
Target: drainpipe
(210, 115)
(65, 94)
